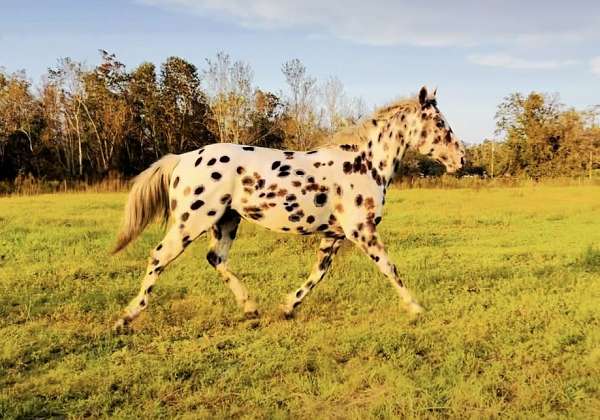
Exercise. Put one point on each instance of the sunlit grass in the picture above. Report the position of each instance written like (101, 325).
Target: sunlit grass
(510, 279)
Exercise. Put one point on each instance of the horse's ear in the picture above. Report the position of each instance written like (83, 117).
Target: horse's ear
(423, 95)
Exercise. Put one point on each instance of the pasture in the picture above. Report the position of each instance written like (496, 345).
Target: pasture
(510, 279)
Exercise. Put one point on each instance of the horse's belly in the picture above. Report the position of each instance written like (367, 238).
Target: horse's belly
(283, 216)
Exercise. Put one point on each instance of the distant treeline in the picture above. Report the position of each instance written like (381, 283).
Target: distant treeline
(540, 138)
(87, 124)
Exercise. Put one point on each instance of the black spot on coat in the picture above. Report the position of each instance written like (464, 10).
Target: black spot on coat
(320, 199)
(197, 204)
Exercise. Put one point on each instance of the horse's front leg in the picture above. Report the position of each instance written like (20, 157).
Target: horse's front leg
(222, 236)
(327, 250)
(368, 241)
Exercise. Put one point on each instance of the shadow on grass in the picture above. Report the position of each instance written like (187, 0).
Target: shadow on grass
(589, 260)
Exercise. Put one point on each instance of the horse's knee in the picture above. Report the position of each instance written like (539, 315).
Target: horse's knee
(213, 259)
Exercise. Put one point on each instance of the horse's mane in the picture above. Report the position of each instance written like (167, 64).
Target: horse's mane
(354, 134)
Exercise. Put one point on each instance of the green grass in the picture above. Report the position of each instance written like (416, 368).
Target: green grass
(510, 279)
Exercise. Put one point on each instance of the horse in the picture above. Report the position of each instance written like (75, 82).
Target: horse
(335, 191)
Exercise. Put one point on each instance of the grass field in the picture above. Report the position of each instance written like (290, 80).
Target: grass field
(510, 279)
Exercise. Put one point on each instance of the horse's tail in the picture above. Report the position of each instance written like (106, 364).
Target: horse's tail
(148, 199)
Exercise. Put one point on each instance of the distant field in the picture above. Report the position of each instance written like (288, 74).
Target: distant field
(510, 279)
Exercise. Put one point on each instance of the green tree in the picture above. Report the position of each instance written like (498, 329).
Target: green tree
(185, 109)
(529, 124)
(145, 101)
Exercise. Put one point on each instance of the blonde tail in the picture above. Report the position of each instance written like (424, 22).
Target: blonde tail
(148, 199)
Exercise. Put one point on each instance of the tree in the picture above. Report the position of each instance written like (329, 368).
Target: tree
(19, 124)
(184, 107)
(303, 119)
(108, 111)
(529, 126)
(18, 108)
(145, 102)
(230, 94)
(333, 95)
(66, 81)
(266, 120)
(339, 110)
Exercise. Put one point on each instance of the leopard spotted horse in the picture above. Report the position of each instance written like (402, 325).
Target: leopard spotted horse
(336, 191)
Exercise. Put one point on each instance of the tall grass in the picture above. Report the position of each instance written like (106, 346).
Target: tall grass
(28, 185)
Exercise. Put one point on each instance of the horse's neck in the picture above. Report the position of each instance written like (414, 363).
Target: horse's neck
(385, 148)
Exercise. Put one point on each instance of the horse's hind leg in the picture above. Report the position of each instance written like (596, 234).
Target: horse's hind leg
(222, 237)
(327, 250)
(175, 241)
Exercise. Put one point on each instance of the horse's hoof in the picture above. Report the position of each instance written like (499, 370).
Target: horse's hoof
(286, 311)
(252, 314)
(253, 324)
(250, 310)
(414, 308)
(287, 315)
(121, 326)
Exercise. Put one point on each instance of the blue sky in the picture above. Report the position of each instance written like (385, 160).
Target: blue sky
(475, 52)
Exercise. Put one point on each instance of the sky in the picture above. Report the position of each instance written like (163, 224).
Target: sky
(474, 52)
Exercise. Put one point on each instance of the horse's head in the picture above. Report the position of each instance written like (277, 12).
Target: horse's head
(415, 123)
(433, 136)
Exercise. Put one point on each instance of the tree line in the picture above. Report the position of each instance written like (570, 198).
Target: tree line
(539, 137)
(86, 123)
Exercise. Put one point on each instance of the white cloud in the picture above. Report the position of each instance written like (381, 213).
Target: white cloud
(595, 66)
(510, 62)
(409, 22)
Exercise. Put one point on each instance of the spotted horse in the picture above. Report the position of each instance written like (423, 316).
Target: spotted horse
(336, 191)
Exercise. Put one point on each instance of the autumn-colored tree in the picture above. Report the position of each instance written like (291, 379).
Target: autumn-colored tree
(108, 111)
(18, 108)
(20, 121)
(230, 94)
(66, 81)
